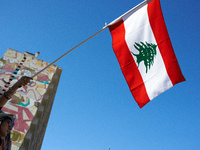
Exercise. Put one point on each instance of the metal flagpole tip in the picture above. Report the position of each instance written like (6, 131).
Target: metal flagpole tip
(106, 25)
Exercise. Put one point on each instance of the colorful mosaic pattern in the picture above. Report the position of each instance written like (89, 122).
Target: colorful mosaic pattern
(25, 101)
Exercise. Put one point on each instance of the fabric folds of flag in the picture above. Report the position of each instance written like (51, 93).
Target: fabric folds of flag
(145, 53)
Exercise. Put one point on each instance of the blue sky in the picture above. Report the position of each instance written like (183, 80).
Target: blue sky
(93, 107)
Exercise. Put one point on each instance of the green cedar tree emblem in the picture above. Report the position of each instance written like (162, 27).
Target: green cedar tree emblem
(147, 53)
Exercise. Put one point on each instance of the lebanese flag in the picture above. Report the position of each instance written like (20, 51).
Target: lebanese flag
(144, 51)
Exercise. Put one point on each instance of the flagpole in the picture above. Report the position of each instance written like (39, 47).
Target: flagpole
(105, 27)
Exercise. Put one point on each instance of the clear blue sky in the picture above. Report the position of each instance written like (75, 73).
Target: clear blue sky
(93, 107)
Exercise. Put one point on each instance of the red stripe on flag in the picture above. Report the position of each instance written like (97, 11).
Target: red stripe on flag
(127, 64)
(158, 26)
